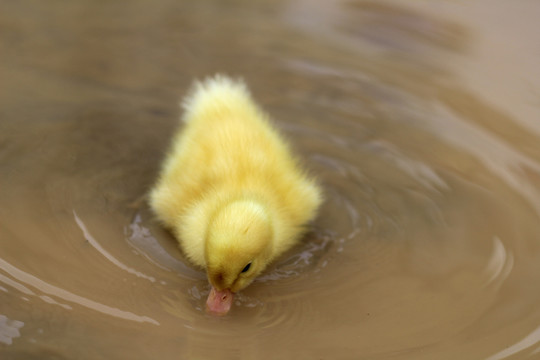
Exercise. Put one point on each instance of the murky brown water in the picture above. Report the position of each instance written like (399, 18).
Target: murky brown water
(422, 120)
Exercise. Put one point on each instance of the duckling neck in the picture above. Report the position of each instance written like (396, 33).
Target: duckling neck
(244, 207)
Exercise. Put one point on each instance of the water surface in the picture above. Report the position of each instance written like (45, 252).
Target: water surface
(421, 120)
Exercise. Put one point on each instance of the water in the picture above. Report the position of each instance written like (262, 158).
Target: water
(419, 118)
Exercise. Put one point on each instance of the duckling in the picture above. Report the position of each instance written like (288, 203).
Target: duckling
(230, 189)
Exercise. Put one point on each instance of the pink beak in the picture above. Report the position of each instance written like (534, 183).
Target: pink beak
(219, 302)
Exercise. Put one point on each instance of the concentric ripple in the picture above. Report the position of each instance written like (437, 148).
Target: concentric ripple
(419, 119)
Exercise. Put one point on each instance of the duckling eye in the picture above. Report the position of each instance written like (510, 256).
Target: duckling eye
(246, 268)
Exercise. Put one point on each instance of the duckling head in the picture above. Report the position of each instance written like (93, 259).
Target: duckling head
(238, 247)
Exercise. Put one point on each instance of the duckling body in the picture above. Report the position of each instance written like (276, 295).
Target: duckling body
(230, 190)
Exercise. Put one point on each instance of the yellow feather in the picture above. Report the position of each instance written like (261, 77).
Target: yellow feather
(229, 189)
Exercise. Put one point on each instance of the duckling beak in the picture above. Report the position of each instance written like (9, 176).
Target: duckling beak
(219, 301)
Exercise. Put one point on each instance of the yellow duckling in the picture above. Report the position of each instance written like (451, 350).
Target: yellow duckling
(230, 190)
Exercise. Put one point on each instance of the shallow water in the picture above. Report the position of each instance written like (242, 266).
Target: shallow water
(421, 119)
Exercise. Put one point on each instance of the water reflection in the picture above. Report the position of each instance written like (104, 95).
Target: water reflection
(49, 289)
(105, 253)
(500, 263)
(532, 340)
(9, 329)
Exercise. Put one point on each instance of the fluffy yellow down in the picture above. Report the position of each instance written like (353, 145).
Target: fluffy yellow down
(230, 190)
